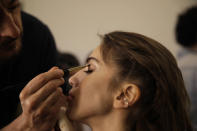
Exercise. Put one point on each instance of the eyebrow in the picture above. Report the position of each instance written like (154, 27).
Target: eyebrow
(92, 58)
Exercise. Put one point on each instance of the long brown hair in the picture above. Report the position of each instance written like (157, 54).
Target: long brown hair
(164, 103)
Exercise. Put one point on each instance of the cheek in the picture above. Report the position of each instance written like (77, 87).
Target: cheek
(95, 97)
(17, 19)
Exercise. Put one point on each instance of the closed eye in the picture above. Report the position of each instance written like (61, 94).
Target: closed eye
(88, 71)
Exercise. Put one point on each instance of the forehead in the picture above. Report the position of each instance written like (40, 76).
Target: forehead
(100, 57)
(109, 67)
(96, 53)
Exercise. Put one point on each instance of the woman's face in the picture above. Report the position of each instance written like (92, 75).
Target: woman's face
(90, 92)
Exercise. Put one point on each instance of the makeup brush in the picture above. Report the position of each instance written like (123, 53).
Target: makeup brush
(73, 70)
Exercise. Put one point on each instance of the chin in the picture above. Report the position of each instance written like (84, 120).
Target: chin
(8, 53)
(74, 115)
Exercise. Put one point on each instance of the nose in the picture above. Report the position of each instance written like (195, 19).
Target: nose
(8, 27)
(76, 79)
(73, 81)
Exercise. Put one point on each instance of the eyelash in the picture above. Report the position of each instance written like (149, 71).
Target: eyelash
(88, 71)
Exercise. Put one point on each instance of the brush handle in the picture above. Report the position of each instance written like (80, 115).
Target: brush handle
(66, 87)
(66, 73)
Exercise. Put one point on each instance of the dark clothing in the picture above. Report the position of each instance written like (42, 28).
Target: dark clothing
(38, 55)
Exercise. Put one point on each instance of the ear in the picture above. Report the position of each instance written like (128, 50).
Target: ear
(127, 96)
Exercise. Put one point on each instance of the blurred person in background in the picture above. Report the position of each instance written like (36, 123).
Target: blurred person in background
(67, 60)
(186, 36)
(27, 48)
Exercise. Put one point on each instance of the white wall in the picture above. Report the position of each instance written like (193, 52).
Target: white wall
(75, 23)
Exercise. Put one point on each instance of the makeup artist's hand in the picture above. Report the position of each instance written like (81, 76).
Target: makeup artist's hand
(41, 100)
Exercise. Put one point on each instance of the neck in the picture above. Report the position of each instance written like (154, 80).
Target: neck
(114, 121)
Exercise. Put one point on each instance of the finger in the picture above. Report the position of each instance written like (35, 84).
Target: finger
(39, 81)
(53, 98)
(53, 113)
(48, 89)
(41, 95)
(64, 101)
(53, 68)
(43, 78)
(51, 105)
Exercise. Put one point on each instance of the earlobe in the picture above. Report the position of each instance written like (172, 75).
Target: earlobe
(126, 102)
(120, 102)
(129, 94)
(132, 93)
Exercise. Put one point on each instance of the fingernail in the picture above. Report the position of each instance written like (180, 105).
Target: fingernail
(54, 68)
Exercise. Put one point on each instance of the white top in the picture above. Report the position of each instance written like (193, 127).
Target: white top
(187, 61)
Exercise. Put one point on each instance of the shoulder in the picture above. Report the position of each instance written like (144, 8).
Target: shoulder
(35, 32)
(34, 29)
(31, 22)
